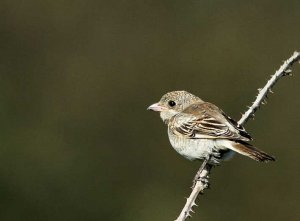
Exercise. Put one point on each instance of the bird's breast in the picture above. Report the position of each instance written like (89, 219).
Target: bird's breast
(191, 148)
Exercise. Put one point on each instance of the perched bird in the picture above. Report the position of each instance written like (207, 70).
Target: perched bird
(200, 130)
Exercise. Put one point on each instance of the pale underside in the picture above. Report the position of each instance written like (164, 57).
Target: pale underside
(193, 149)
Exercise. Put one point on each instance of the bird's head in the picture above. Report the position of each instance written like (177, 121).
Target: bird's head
(172, 103)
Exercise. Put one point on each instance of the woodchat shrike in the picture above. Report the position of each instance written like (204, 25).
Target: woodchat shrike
(200, 130)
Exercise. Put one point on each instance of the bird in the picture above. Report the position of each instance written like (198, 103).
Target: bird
(200, 130)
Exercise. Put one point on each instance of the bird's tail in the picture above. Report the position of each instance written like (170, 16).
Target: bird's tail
(250, 151)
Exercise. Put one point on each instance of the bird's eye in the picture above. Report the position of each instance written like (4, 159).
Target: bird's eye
(172, 103)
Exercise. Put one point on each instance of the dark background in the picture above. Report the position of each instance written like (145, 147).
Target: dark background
(76, 77)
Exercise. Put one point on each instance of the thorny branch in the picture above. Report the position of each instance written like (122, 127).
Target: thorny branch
(202, 182)
(284, 70)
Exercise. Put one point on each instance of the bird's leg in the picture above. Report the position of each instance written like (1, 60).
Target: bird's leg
(198, 174)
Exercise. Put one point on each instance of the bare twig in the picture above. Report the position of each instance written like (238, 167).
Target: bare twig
(199, 187)
(202, 182)
(284, 70)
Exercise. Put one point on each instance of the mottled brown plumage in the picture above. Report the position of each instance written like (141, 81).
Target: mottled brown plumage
(198, 129)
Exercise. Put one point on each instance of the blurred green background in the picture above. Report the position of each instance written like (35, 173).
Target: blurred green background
(76, 77)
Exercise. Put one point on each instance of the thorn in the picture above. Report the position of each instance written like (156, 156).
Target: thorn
(288, 71)
(192, 211)
(270, 90)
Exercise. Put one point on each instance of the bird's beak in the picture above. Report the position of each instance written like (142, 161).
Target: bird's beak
(156, 107)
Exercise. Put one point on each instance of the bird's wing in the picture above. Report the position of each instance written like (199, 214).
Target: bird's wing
(205, 120)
